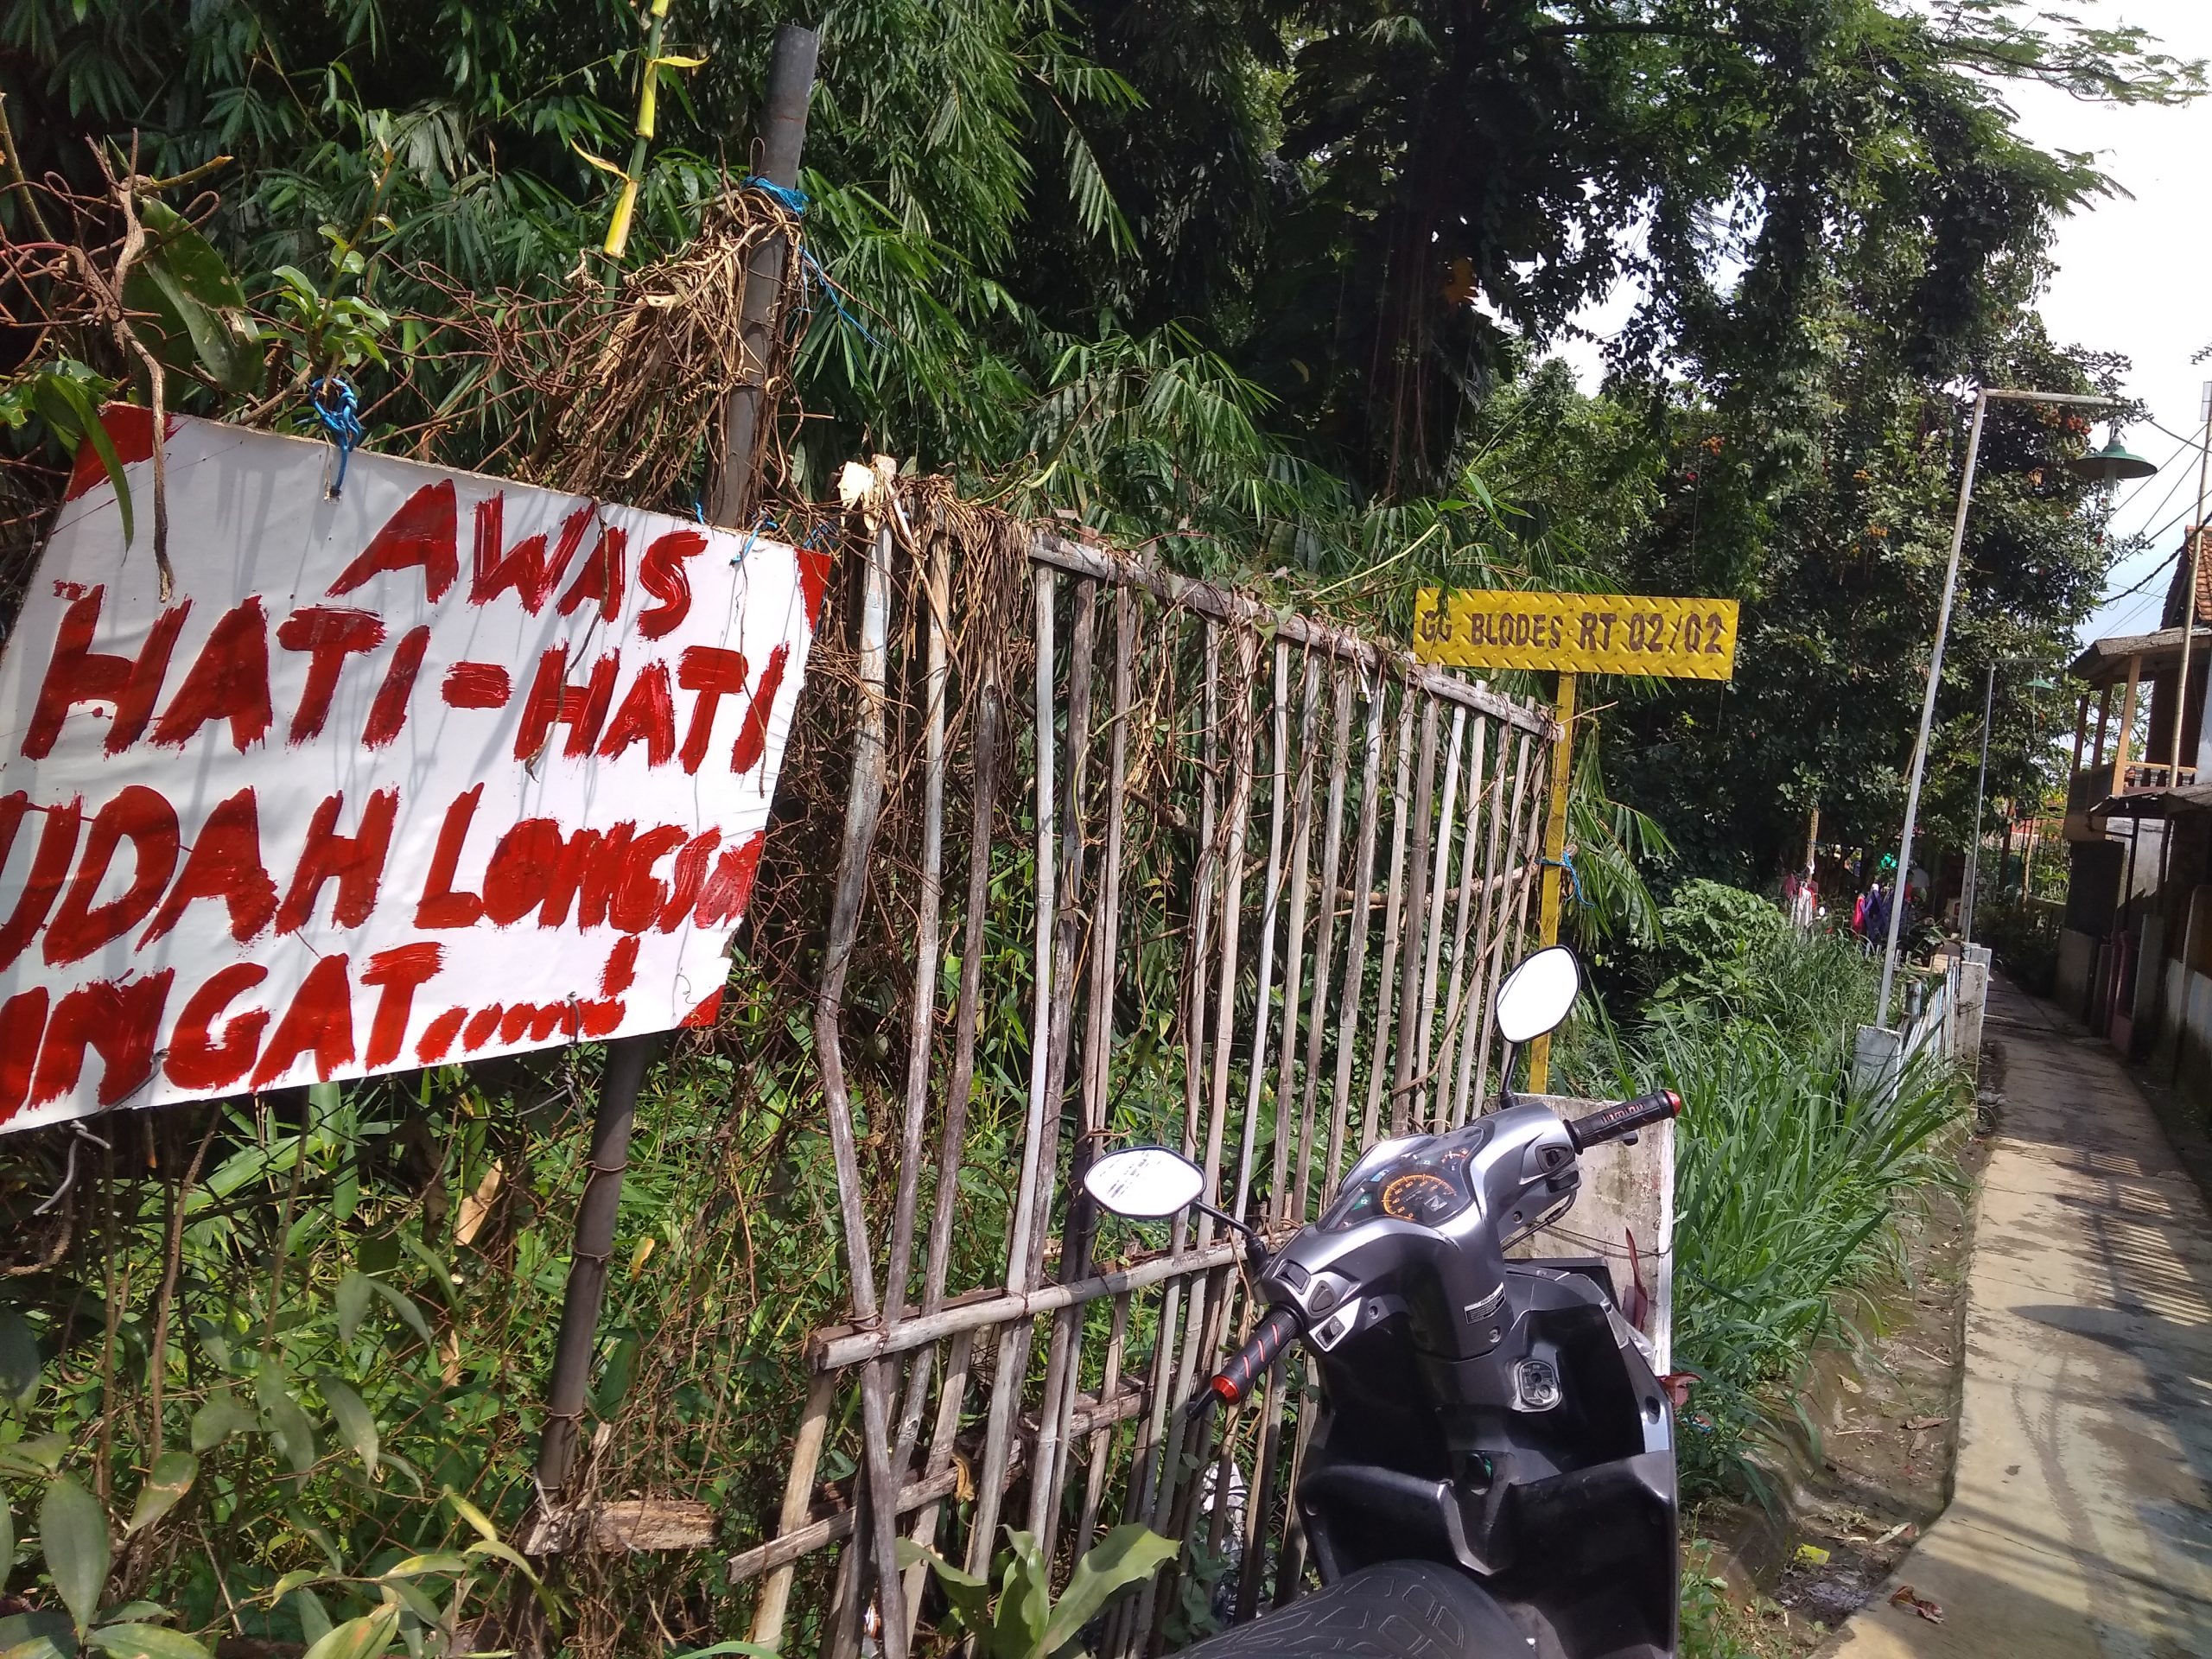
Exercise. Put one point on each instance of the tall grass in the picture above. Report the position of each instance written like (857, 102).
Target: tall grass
(1787, 1183)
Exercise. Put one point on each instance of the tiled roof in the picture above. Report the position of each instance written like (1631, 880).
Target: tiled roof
(2171, 618)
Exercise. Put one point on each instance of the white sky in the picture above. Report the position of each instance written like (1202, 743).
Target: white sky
(2134, 277)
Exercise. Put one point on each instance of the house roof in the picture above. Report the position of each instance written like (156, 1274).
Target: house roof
(2105, 660)
(2154, 803)
(2170, 618)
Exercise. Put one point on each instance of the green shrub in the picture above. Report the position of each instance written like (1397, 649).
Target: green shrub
(2024, 936)
(1711, 938)
(1786, 1180)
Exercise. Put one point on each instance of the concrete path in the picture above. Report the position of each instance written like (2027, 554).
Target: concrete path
(2082, 1520)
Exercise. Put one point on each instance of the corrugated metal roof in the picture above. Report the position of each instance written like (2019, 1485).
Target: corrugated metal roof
(2105, 660)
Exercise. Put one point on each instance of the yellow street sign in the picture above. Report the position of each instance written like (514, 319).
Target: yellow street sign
(1584, 634)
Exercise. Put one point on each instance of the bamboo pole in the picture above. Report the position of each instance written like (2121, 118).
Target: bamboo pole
(1014, 1347)
(1439, 890)
(1324, 946)
(1540, 1051)
(1271, 897)
(1301, 856)
(1408, 967)
(1378, 1054)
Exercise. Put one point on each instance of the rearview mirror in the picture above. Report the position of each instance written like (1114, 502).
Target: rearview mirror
(1538, 994)
(1144, 1182)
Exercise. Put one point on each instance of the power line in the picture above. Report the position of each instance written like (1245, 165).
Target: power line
(2145, 484)
(2156, 570)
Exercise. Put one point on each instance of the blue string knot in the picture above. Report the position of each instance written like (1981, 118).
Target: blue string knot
(341, 419)
(1566, 862)
(796, 200)
(793, 199)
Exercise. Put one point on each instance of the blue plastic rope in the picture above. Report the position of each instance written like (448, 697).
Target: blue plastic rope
(342, 422)
(796, 200)
(829, 288)
(752, 535)
(1566, 862)
(793, 199)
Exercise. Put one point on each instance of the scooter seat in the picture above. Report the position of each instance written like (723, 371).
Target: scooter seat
(1399, 1610)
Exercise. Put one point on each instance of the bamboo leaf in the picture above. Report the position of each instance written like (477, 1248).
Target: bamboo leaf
(291, 1581)
(146, 1641)
(314, 1617)
(354, 1421)
(85, 417)
(72, 1535)
(507, 1553)
(288, 1425)
(352, 1301)
(404, 1305)
(220, 1419)
(358, 1638)
(475, 1517)
(166, 1483)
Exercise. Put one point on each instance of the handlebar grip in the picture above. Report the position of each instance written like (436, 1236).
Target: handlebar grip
(1235, 1380)
(1624, 1117)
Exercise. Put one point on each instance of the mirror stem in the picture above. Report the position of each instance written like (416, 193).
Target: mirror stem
(1255, 1247)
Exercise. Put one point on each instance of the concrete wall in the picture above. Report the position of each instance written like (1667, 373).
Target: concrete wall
(2184, 1048)
(2077, 971)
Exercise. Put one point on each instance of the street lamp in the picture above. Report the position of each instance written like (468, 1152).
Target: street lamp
(2113, 464)
(1981, 401)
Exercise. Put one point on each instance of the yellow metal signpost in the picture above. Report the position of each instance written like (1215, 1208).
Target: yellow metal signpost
(1570, 634)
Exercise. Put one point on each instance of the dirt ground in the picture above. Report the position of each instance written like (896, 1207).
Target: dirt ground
(1871, 1464)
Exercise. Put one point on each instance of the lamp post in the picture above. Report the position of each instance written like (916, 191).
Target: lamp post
(1981, 402)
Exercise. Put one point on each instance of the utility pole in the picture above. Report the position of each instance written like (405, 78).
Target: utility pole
(791, 83)
(2189, 596)
(1904, 889)
(1980, 782)
(782, 134)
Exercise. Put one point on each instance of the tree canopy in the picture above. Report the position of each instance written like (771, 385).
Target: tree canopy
(1271, 284)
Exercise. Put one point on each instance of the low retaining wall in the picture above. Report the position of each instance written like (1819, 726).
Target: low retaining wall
(1948, 1026)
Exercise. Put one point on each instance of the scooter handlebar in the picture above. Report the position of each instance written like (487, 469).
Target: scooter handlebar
(1624, 1117)
(1273, 1333)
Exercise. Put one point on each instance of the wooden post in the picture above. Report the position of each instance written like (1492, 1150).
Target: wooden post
(791, 83)
(2104, 720)
(1540, 1051)
(2080, 735)
(783, 133)
(2124, 745)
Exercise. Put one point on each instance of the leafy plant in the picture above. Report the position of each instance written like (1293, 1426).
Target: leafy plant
(1713, 940)
(191, 303)
(62, 398)
(1022, 1621)
(1787, 1183)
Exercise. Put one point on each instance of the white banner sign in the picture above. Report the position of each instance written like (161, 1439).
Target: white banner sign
(447, 767)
